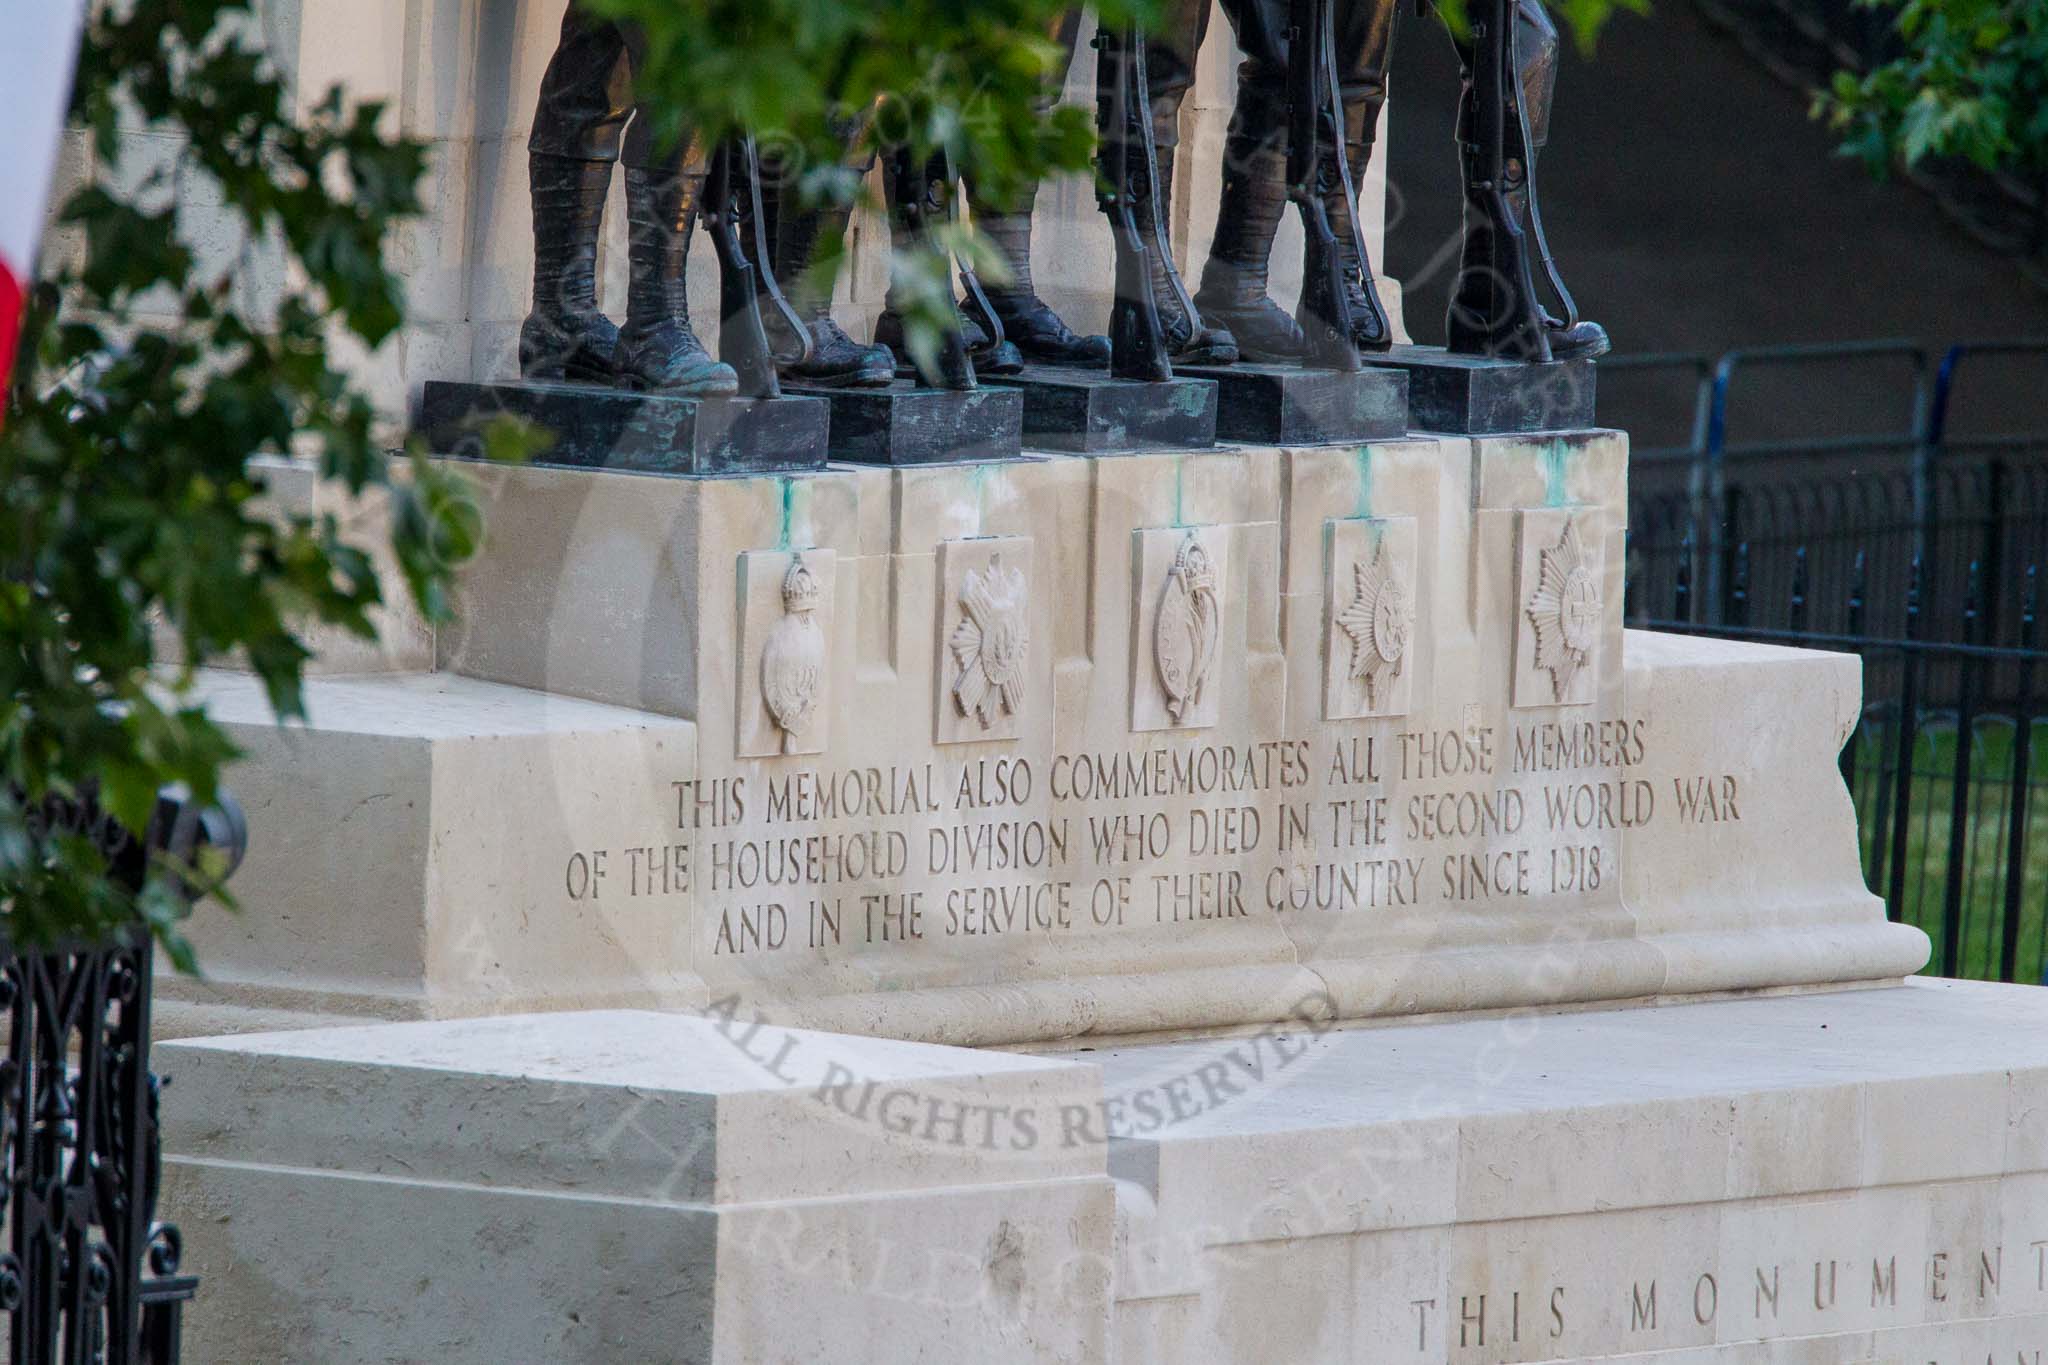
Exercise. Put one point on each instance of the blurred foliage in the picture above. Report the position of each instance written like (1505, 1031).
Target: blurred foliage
(825, 85)
(1971, 82)
(1584, 20)
(137, 535)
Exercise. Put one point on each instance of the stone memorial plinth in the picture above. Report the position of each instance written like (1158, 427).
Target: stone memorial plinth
(1836, 1178)
(1413, 963)
(1021, 751)
(618, 1186)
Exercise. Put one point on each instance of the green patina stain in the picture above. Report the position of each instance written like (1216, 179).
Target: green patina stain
(979, 477)
(1179, 487)
(1553, 472)
(788, 512)
(1363, 456)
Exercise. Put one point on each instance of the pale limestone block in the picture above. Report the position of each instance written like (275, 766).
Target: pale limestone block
(1158, 1331)
(434, 845)
(1288, 1303)
(1370, 624)
(1968, 1141)
(1561, 590)
(912, 1198)
(431, 254)
(495, 238)
(1179, 623)
(1592, 1217)
(1238, 485)
(1401, 1291)
(361, 46)
(1719, 777)
(1809, 1139)
(588, 585)
(934, 504)
(913, 598)
(785, 694)
(405, 641)
(990, 668)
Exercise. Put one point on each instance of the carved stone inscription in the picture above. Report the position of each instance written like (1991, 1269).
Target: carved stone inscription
(1178, 624)
(988, 664)
(785, 665)
(1174, 832)
(1560, 562)
(1369, 646)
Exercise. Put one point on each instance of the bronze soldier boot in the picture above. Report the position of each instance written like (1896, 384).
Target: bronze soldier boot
(566, 338)
(657, 349)
(1214, 342)
(1493, 310)
(836, 360)
(1039, 332)
(1254, 199)
(1370, 330)
(919, 198)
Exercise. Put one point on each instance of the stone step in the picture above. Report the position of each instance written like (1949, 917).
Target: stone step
(408, 849)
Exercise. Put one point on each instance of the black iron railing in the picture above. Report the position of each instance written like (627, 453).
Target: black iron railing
(1948, 769)
(1891, 479)
(89, 1275)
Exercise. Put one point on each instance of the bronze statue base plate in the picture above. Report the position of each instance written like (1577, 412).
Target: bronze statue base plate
(1479, 396)
(1291, 405)
(640, 433)
(1092, 412)
(908, 423)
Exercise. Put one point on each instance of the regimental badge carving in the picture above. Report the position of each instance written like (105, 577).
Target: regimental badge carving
(783, 701)
(1564, 610)
(985, 668)
(991, 643)
(793, 659)
(1380, 622)
(1372, 641)
(1189, 629)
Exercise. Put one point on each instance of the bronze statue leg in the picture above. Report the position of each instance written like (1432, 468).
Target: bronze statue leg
(1025, 319)
(585, 121)
(833, 359)
(1170, 72)
(1254, 198)
(585, 101)
(1485, 296)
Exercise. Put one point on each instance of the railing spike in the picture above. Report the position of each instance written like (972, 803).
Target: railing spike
(1798, 615)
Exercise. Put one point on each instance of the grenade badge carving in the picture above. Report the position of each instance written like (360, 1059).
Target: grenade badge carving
(1185, 638)
(793, 658)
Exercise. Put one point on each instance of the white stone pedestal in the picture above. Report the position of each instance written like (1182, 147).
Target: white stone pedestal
(1832, 1179)
(1092, 747)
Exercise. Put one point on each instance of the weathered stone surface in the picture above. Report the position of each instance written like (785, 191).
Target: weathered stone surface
(640, 433)
(1843, 1178)
(1840, 1178)
(1091, 412)
(908, 423)
(1287, 405)
(1477, 396)
(632, 1187)
(1113, 856)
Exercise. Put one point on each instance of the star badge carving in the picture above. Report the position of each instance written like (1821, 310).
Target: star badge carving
(1565, 610)
(1380, 621)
